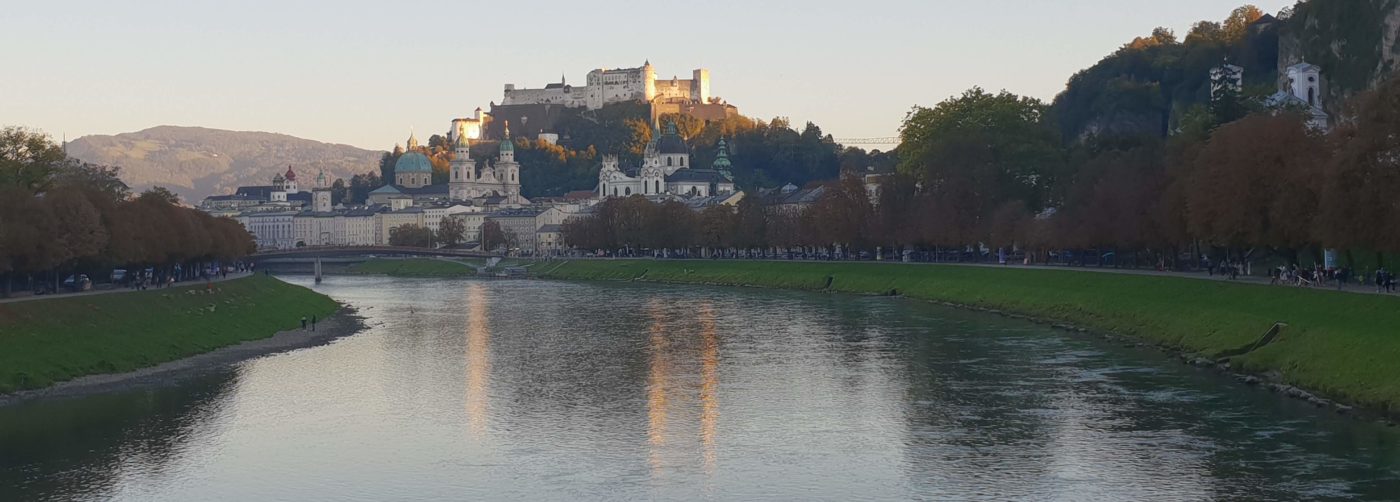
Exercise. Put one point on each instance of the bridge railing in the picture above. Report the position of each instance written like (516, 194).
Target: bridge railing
(363, 250)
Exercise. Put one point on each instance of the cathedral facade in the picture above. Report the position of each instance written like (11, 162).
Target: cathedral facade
(466, 181)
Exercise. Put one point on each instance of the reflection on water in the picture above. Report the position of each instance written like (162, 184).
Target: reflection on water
(709, 384)
(478, 358)
(656, 388)
(463, 390)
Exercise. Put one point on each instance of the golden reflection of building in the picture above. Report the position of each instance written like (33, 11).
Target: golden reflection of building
(659, 383)
(709, 385)
(656, 386)
(478, 359)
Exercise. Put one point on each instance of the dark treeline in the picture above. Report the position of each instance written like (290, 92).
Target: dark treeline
(59, 217)
(981, 172)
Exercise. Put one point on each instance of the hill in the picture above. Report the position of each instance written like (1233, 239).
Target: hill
(195, 162)
(1151, 83)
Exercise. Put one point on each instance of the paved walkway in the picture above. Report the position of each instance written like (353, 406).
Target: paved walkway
(1350, 287)
(230, 277)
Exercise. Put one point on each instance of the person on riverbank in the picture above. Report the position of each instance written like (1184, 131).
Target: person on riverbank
(303, 323)
(313, 323)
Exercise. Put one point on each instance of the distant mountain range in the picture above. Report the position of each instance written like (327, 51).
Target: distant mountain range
(195, 162)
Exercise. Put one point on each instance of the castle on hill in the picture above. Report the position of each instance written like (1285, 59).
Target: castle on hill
(535, 113)
(605, 86)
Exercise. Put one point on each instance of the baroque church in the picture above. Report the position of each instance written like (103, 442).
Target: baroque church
(502, 179)
(413, 176)
(666, 170)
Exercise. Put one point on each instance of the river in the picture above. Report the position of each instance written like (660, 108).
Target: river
(537, 390)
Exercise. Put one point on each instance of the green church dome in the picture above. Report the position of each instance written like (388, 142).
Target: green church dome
(413, 162)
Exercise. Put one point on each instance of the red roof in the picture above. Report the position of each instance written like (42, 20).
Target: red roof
(580, 195)
(291, 176)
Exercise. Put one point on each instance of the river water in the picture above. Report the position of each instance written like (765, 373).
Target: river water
(536, 390)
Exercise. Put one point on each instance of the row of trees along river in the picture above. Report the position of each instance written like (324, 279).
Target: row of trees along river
(59, 216)
(1241, 181)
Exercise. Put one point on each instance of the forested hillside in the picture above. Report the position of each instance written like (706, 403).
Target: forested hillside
(1153, 83)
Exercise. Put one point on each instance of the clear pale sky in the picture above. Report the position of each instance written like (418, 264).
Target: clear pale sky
(364, 73)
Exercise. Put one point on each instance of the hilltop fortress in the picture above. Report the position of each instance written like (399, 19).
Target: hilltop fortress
(537, 112)
(606, 86)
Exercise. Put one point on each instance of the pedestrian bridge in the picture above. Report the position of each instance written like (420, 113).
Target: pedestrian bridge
(353, 251)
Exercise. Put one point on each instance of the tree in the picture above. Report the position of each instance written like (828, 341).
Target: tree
(686, 125)
(386, 164)
(977, 152)
(162, 193)
(105, 180)
(361, 185)
(1358, 203)
(339, 191)
(28, 159)
(1255, 183)
(1236, 26)
(750, 224)
(451, 231)
(492, 236)
(716, 227)
(411, 235)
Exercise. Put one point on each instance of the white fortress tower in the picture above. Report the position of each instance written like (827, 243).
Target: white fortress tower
(470, 127)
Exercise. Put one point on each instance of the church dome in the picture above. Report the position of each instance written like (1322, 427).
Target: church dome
(671, 142)
(413, 162)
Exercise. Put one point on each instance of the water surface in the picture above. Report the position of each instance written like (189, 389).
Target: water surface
(535, 390)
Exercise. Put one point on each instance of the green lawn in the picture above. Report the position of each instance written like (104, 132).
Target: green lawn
(415, 267)
(1342, 345)
(48, 341)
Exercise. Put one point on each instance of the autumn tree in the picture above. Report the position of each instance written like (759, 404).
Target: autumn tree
(1359, 207)
(1255, 183)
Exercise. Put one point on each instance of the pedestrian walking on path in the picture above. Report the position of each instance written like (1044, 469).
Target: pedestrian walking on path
(313, 323)
(303, 323)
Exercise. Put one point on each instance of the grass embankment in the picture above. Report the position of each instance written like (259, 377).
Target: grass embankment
(1345, 346)
(47, 341)
(414, 267)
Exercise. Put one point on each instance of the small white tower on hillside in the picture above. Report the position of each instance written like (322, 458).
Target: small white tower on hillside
(1305, 82)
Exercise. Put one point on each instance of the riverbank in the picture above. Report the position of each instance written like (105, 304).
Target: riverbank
(50, 341)
(413, 267)
(1341, 346)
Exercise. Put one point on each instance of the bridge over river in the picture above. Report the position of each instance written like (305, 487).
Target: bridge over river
(313, 260)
